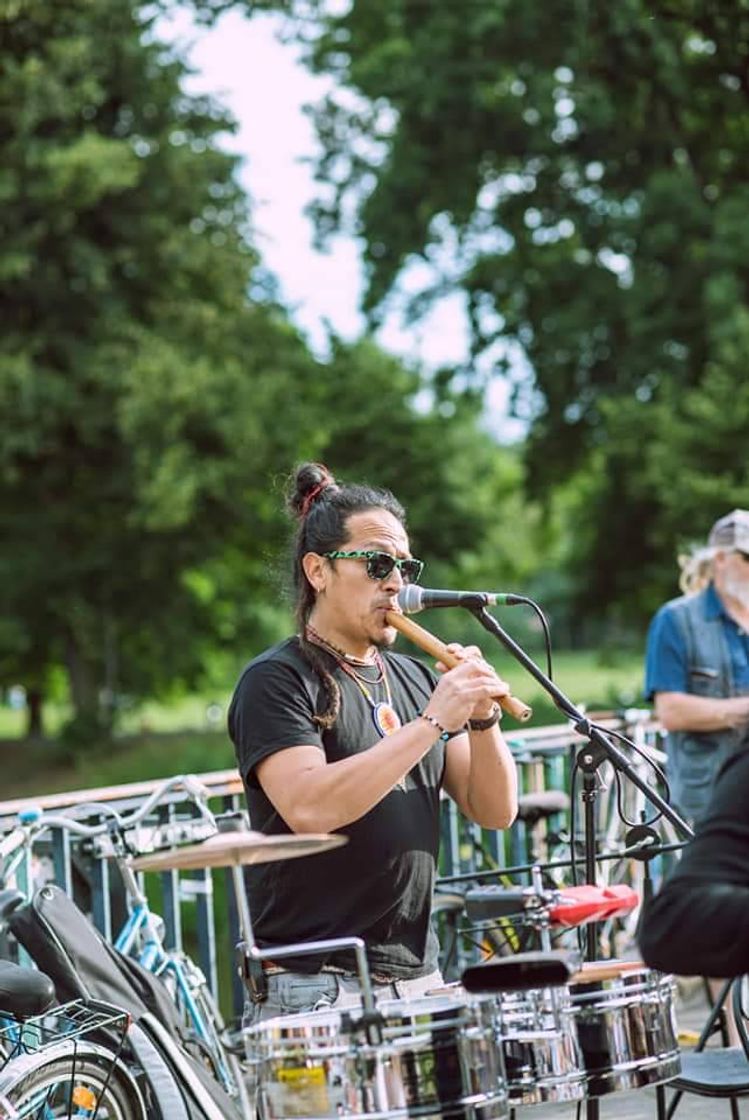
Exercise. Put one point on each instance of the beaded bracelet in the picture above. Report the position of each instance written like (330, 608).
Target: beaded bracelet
(485, 724)
(444, 734)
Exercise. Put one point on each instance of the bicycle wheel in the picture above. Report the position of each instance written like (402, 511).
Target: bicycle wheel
(68, 1081)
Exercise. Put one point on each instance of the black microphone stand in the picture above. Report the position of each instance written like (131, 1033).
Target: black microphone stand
(600, 748)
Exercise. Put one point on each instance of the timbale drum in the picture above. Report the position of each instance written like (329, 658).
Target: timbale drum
(626, 1028)
(437, 1058)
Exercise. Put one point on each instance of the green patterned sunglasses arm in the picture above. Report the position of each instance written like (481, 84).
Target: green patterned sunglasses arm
(359, 554)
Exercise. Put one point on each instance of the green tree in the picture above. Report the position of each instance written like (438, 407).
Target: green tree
(136, 377)
(580, 171)
(666, 473)
(152, 394)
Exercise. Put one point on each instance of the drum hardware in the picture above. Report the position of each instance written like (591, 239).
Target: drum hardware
(537, 1032)
(625, 1025)
(437, 1058)
(609, 1029)
(522, 972)
(237, 847)
(535, 1027)
(542, 908)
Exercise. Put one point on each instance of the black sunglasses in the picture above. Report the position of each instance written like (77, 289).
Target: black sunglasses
(381, 564)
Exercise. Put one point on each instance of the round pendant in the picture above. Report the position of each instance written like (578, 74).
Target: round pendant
(386, 719)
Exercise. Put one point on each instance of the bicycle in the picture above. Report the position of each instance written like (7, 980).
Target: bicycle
(142, 934)
(54, 1062)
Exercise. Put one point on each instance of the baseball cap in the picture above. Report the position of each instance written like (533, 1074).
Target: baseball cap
(731, 531)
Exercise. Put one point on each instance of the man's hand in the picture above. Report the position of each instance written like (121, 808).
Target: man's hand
(467, 691)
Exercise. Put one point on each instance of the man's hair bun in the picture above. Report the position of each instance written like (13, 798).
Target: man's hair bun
(308, 483)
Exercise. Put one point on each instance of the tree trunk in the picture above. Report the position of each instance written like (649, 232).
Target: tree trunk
(34, 703)
(84, 688)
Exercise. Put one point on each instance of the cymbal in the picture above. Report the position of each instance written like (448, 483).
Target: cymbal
(232, 849)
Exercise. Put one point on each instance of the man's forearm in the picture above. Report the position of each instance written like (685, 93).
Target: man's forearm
(492, 791)
(680, 711)
(313, 795)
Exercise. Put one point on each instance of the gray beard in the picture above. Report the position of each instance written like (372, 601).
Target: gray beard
(737, 589)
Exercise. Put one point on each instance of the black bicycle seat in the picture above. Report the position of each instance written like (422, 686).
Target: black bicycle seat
(24, 991)
(533, 807)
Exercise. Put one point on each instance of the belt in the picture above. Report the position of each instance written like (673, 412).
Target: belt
(272, 968)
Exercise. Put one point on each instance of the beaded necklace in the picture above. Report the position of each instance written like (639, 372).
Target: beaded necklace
(384, 715)
(336, 651)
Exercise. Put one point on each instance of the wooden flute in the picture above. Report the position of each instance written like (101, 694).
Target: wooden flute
(426, 641)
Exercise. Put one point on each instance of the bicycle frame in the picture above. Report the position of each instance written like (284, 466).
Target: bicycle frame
(142, 938)
(153, 956)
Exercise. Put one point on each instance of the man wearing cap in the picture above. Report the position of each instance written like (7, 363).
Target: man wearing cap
(697, 668)
(697, 673)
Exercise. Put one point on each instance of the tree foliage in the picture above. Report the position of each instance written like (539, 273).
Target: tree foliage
(579, 169)
(135, 374)
(152, 395)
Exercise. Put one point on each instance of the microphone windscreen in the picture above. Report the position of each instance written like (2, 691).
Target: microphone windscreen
(409, 598)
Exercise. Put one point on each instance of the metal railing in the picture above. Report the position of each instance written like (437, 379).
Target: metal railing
(188, 900)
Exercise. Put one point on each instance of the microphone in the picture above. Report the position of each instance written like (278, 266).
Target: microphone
(412, 598)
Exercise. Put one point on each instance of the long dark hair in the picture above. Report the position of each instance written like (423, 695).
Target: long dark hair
(322, 508)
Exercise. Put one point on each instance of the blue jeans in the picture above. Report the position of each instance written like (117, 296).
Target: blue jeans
(290, 993)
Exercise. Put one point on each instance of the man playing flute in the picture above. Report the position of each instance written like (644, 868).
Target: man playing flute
(335, 732)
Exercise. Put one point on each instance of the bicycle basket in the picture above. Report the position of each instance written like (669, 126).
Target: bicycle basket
(69, 1022)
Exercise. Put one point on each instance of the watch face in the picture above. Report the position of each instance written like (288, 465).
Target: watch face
(386, 719)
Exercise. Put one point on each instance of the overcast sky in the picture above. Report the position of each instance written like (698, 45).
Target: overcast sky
(264, 84)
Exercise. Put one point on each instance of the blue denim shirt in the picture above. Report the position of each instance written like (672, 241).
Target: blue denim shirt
(667, 666)
(696, 648)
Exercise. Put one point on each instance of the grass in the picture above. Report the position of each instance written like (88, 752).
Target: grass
(580, 674)
(31, 769)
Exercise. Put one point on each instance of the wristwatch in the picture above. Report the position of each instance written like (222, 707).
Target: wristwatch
(485, 724)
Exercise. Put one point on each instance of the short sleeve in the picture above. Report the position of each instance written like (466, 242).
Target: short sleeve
(666, 667)
(271, 710)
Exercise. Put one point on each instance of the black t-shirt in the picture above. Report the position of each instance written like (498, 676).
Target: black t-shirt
(698, 924)
(379, 885)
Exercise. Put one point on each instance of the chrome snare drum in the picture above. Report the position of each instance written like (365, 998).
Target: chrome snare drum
(437, 1058)
(625, 1024)
(538, 1035)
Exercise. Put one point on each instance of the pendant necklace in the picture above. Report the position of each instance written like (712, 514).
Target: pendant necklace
(384, 715)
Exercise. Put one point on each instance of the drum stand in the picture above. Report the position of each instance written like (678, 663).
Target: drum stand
(370, 1019)
(599, 748)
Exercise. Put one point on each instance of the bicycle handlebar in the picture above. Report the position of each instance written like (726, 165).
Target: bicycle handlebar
(34, 820)
(10, 843)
